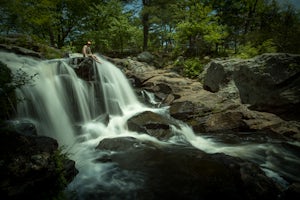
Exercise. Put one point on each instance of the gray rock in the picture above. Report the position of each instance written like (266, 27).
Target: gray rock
(269, 82)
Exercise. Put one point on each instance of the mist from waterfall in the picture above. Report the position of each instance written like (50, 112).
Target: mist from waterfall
(79, 114)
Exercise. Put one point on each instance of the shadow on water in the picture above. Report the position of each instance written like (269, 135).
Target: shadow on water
(277, 156)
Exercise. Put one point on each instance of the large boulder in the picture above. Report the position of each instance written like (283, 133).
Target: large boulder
(269, 82)
(184, 172)
(152, 124)
(32, 166)
(83, 67)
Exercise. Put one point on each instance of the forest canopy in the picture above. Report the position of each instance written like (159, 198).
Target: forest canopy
(190, 28)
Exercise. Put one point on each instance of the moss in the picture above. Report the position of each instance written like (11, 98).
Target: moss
(59, 158)
(192, 67)
(293, 66)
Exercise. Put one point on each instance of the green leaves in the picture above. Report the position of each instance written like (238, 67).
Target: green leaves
(193, 27)
(200, 29)
(192, 67)
(112, 29)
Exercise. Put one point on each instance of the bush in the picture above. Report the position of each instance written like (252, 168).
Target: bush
(249, 50)
(192, 67)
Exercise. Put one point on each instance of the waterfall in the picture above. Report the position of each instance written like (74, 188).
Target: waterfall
(75, 112)
(58, 101)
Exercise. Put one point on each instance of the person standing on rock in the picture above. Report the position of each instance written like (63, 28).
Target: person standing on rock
(87, 52)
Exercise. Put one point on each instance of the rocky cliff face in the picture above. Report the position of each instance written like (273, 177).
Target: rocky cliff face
(268, 83)
(257, 94)
(31, 166)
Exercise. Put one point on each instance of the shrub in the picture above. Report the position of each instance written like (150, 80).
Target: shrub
(192, 67)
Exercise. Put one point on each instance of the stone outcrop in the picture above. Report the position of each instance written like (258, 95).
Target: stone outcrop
(269, 82)
(196, 174)
(31, 166)
(152, 124)
(82, 67)
(236, 95)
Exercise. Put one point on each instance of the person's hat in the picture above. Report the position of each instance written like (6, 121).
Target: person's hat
(89, 42)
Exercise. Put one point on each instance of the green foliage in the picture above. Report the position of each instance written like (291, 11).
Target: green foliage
(56, 191)
(199, 32)
(192, 67)
(267, 46)
(193, 28)
(50, 52)
(249, 50)
(294, 66)
(111, 28)
(70, 48)
(52, 20)
(8, 83)
(59, 157)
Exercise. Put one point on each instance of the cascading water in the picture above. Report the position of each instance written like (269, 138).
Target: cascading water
(73, 111)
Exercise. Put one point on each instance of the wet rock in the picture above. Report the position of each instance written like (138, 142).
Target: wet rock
(183, 172)
(83, 67)
(122, 144)
(29, 166)
(153, 124)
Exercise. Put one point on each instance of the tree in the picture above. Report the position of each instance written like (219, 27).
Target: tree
(199, 31)
(255, 24)
(287, 29)
(51, 20)
(111, 28)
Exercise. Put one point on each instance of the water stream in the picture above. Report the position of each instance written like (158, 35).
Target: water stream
(71, 110)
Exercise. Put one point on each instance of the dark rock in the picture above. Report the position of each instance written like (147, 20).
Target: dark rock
(23, 127)
(123, 144)
(177, 172)
(153, 124)
(145, 57)
(29, 166)
(293, 192)
(269, 82)
(182, 110)
(84, 67)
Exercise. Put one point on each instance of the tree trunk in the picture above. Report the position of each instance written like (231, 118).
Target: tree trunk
(145, 22)
(145, 31)
(251, 12)
(51, 37)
